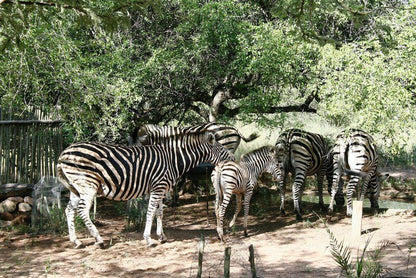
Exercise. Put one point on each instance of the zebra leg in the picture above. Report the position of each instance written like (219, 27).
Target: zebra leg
(365, 183)
(155, 199)
(70, 218)
(84, 206)
(221, 212)
(159, 216)
(297, 193)
(320, 179)
(351, 187)
(282, 186)
(247, 198)
(336, 183)
(237, 209)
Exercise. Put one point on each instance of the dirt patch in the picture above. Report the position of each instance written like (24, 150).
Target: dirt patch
(283, 247)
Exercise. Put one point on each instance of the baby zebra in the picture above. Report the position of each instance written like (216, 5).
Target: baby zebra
(229, 177)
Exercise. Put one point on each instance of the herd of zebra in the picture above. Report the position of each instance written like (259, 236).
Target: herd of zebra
(161, 155)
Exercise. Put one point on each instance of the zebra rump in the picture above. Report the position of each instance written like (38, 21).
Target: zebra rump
(355, 155)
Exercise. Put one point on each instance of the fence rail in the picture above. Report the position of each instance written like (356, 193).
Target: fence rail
(30, 144)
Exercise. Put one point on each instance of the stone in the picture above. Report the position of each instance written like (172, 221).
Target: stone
(8, 205)
(16, 199)
(24, 207)
(28, 200)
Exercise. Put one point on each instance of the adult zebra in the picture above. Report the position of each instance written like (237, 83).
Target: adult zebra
(229, 177)
(227, 136)
(304, 155)
(124, 173)
(355, 155)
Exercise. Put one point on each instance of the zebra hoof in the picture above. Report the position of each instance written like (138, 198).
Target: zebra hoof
(245, 234)
(78, 244)
(299, 217)
(100, 244)
(282, 213)
(163, 239)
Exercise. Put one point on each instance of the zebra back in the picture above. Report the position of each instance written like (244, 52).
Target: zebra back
(227, 136)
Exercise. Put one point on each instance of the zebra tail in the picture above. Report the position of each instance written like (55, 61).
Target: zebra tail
(217, 185)
(64, 180)
(356, 173)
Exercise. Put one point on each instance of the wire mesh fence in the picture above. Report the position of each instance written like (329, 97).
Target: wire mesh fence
(49, 203)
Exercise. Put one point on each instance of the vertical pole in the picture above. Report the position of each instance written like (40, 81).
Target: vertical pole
(200, 256)
(251, 260)
(227, 262)
(357, 214)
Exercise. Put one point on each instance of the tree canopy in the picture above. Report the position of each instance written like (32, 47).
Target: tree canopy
(108, 66)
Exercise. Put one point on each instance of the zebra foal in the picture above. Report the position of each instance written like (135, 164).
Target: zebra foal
(304, 154)
(355, 155)
(229, 177)
(124, 173)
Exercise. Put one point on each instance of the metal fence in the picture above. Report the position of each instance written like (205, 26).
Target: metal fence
(30, 144)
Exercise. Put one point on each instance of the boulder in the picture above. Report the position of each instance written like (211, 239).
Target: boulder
(24, 207)
(16, 199)
(8, 205)
(28, 200)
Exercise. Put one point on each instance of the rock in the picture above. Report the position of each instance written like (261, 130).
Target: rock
(16, 199)
(28, 200)
(8, 205)
(24, 207)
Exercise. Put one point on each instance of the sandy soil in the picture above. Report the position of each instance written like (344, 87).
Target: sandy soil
(283, 247)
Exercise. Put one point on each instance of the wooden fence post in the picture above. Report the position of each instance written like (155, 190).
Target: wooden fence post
(357, 214)
(227, 262)
(200, 256)
(251, 260)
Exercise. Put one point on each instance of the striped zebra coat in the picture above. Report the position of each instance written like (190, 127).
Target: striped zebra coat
(355, 155)
(304, 154)
(123, 173)
(229, 177)
(227, 136)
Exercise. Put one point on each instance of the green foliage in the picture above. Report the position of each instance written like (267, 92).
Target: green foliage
(108, 66)
(367, 264)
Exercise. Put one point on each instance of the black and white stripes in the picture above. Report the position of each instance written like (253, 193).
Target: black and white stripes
(304, 154)
(123, 173)
(355, 155)
(230, 177)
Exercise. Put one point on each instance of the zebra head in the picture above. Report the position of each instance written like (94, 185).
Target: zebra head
(217, 152)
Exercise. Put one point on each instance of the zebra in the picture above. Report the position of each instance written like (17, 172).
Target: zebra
(304, 155)
(355, 155)
(229, 177)
(126, 172)
(227, 136)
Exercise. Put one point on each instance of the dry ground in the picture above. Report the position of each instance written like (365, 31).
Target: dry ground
(283, 247)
